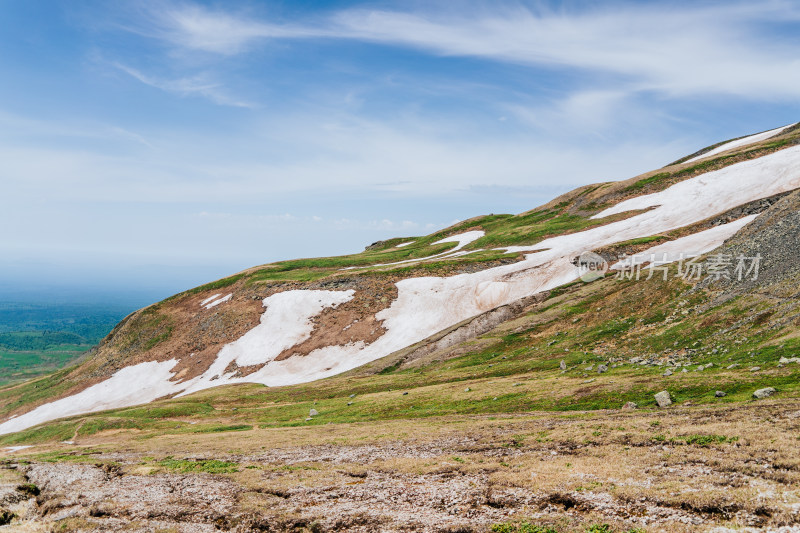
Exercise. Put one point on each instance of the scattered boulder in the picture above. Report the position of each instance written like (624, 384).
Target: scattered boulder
(601, 369)
(349, 403)
(720, 394)
(786, 360)
(667, 373)
(630, 405)
(313, 412)
(663, 399)
(352, 396)
(562, 365)
(755, 369)
(731, 367)
(467, 389)
(760, 394)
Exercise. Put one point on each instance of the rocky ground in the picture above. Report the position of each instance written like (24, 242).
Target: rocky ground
(684, 468)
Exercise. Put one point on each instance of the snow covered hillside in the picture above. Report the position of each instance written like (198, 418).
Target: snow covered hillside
(341, 314)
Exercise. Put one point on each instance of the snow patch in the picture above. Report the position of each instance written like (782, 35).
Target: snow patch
(744, 141)
(405, 244)
(132, 385)
(286, 322)
(217, 302)
(687, 247)
(711, 193)
(210, 298)
(462, 239)
(12, 449)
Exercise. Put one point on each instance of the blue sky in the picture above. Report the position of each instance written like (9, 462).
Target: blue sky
(155, 145)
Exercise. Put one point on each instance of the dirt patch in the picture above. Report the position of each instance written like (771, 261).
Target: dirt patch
(352, 322)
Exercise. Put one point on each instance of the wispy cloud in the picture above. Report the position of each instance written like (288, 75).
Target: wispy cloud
(198, 85)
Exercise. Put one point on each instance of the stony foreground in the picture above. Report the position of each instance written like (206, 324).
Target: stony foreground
(685, 468)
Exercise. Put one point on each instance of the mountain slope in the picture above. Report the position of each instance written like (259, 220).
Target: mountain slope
(405, 300)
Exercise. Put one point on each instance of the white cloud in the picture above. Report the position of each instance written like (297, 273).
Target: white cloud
(196, 27)
(670, 48)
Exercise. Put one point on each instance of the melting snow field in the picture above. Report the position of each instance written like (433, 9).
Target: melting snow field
(690, 246)
(427, 305)
(132, 385)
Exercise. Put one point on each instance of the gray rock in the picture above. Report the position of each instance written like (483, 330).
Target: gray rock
(467, 389)
(730, 367)
(663, 399)
(630, 405)
(760, 394)
(349, 403)
(562, 365)
(590, 368)
(755, 369)
(720, 394)
(667, 373)
(601, 369)
(352, 396)
(313, 412)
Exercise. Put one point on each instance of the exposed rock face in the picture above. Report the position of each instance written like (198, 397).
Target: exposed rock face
(663, 399)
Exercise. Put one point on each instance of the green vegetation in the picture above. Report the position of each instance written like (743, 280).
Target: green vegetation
(186, 466)
(642, 183)
(521, 527)
(36, 339)
(527, 527)
(224, 428)
(704, 441)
